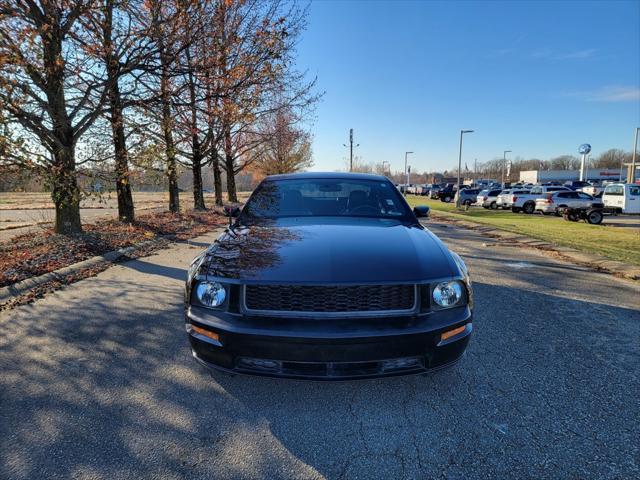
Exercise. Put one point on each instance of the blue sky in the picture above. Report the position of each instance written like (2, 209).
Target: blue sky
(537, 78)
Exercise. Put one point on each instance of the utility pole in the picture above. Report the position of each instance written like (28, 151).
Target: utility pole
(504, 161)
(632, 175)
(351, 149)
(475, 170)
(462, 132)
(388, 164)
(406, 174)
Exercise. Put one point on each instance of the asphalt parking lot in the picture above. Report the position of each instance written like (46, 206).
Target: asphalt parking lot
(97, 382)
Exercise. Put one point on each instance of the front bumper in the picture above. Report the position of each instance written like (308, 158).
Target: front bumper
(329, 349)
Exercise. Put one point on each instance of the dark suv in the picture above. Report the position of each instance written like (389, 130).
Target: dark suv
(447, 193)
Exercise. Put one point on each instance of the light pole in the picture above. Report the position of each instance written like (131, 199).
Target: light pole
(504, 161)
(385, 170)
(633, 158)
(462, 132)
(406, 172)
(350, 149)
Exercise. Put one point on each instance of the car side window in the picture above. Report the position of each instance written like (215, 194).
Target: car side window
(535, 191)
(634, 190)
(614, 190)
(585, 196)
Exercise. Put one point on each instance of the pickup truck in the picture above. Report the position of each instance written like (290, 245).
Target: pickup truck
(526, 202)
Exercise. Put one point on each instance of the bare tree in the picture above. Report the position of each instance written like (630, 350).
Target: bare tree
(164, 23)
(53, 91)
(286, 148)
(122, 44)
(256, 74)
(612, 158)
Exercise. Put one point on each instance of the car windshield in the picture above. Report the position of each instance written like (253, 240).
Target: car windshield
(311, 197)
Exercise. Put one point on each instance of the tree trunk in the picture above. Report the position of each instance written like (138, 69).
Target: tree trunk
(65, 192)
(229, 166)
(167, 125)
(196, 165)
(198, 195)
(64, 185)
(217, 176)
(123, 185)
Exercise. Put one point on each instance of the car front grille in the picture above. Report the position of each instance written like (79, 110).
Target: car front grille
(329, 300)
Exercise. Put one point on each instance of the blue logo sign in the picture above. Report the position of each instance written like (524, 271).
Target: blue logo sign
(584, 149)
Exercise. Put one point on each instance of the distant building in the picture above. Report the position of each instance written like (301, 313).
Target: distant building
(541, 176)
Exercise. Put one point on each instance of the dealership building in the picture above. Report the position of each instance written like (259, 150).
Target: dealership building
(541, 176)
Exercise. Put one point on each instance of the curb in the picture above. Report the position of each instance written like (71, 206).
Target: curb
(24, 286)
(20, 288)
(590, 260)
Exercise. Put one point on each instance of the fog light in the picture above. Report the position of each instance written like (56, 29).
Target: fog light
(451, 333)
(259, 364)
(401, 363)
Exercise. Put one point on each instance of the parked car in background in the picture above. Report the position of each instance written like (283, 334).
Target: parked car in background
(433, 191)
(502, 198)
(468, 196)
(576, 184)
(429, 188)
(508, 200)
(593, 190)
(625, 197)
(488, 198)
(526, 202)
(447, 193)
(556, 202)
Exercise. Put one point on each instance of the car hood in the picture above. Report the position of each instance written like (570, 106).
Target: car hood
(360, 251)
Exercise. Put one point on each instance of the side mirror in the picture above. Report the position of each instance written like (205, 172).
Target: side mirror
(231, 212)
(421, 211)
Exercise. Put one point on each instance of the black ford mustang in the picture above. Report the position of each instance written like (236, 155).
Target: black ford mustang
(328, 276)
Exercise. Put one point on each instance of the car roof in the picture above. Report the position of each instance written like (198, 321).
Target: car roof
(319, 175)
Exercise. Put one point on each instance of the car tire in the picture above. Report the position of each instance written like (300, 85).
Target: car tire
(560, 210)
(571, 216)
(594, 217)
(446, 199)
(529, 208)
(493, 206)
(515, 209)
(467, 203)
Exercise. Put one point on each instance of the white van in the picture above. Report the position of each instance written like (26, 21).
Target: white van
(626, 197)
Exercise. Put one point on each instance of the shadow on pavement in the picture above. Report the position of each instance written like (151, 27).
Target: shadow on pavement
(102, 388)
(149, 268)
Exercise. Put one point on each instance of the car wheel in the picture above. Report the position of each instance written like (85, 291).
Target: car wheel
(560, 210)
(528, 208)
(571, 216)
(515, 209)
(493, 206)
(594, 217)
(467, 203)
(447, 199)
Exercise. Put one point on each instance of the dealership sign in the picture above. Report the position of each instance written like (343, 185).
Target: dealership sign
(584, 149)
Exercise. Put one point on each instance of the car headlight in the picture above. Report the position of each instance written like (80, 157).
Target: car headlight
(211, 294)
(448, 294)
